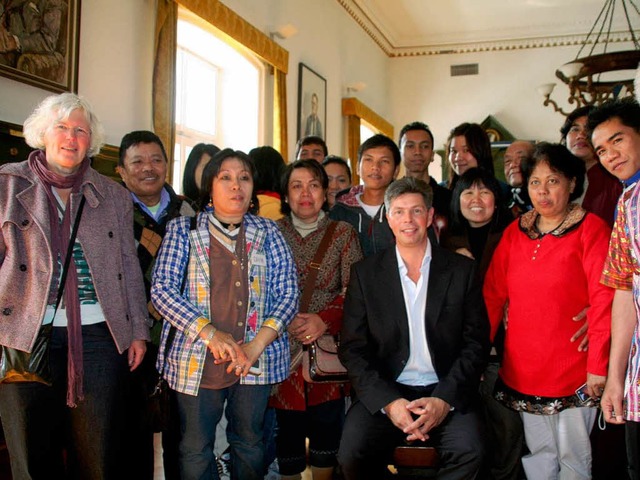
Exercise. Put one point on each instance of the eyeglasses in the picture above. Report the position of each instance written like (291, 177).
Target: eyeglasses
(78, 132)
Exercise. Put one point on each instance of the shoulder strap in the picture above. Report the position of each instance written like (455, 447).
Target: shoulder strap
(314, 267)
(67, 259)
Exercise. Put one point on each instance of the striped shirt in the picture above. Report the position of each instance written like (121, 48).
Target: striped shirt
(90, 309)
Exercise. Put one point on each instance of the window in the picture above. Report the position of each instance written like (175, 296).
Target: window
(219, 92)
(202, 78)
(366, 130)
(362, 123)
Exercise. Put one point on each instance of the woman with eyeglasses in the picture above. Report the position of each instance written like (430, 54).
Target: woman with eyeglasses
(71, 427)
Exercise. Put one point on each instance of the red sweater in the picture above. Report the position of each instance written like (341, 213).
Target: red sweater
(546, 282)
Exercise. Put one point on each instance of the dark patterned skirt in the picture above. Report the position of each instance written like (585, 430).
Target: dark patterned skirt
(521, 402)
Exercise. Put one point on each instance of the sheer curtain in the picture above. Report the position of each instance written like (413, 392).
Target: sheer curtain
(226, 20)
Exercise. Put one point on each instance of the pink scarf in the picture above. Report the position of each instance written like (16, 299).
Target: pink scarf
(60, 234)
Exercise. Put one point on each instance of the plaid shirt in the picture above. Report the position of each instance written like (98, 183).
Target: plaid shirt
(622, 271)
(273, 298)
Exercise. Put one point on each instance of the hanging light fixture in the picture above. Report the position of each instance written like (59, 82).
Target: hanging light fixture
(596, 77)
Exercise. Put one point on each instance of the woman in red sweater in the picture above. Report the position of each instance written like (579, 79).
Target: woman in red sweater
(546, 267)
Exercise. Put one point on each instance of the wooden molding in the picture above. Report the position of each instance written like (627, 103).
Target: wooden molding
(356, 111)
(353, 106)
(106, 162)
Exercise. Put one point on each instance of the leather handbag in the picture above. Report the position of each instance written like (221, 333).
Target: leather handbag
(20, 366)
(320, 362)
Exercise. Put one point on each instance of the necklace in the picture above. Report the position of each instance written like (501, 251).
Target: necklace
(232, 241)
(228, 226)
(553, 229)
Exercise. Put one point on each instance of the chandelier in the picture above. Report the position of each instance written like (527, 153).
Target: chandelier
(597, 77)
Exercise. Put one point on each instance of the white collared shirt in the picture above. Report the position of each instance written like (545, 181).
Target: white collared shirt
(419, 370)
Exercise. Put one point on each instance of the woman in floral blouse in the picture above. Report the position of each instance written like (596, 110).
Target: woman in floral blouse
(312, 410)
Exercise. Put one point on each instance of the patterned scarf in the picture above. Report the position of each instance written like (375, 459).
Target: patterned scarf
(60, 234)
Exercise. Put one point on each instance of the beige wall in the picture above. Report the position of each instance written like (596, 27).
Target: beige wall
(115, 68)
(332, 44)
(116, 64)
(505, 88)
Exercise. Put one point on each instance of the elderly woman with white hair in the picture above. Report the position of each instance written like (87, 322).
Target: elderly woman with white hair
(67, 423)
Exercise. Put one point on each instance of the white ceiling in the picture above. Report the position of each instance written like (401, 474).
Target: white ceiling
(424, 27)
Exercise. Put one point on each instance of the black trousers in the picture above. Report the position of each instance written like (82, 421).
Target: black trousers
(368, 441)
(48, 440)
(321, 424)
(139, 439)
(632, 431)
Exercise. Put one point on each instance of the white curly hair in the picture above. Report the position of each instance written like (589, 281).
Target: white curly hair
(56, 108)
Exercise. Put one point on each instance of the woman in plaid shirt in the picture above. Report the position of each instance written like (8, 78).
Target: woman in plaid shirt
(229, 287)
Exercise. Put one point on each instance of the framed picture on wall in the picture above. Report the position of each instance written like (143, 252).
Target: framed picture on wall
(39, 43)
(312, 103)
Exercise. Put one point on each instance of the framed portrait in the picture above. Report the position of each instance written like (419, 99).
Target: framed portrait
(39, 43)
(312, 103)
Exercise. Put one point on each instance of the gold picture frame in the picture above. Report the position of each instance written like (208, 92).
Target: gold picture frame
(39, 43)
(312, 103)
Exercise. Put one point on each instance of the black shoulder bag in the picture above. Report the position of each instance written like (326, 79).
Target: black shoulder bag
(159, 403)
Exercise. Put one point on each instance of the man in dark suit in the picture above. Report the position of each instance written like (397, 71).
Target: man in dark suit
(415, 340)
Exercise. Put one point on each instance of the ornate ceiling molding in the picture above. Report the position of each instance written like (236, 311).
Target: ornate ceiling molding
(500, 45)
(391, 50)
(367, 25)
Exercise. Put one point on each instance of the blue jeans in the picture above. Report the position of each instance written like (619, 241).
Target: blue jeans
(199, 415)
(40, 428)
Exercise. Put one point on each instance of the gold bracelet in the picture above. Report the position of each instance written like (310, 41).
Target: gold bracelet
(207, 340)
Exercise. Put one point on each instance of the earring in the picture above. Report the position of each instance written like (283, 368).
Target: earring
(210, 204)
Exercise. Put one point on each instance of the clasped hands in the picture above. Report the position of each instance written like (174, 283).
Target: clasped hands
(418, 417)
(238, 354)
(307, 327)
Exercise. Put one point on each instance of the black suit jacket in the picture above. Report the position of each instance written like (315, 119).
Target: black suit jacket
(375, 332)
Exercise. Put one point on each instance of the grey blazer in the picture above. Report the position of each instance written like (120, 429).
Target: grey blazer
(26, 261)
